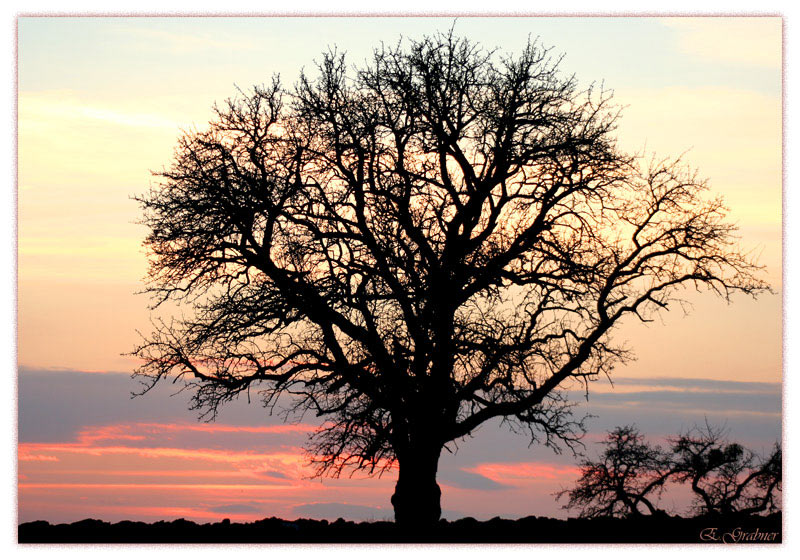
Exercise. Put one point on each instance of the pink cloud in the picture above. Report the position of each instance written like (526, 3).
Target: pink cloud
(523, 473)
(29, 457)
(153, 471)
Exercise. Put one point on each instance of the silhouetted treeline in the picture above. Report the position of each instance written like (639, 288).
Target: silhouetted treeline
(652, 529)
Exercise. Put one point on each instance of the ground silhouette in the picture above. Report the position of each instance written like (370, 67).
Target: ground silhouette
(651, 529)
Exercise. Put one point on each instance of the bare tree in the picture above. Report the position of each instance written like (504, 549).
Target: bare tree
(727, 478)
(627, 477)
(438, 238)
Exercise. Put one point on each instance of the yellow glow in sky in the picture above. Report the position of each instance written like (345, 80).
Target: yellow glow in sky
(102, 101)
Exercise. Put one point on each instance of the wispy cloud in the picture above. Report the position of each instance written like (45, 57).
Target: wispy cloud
(184, 41)
(163, 441)
(685, 394)
(736, 403)
(47, 109)
(752, 41)
(26, 455)
(143, 430)
(521, 473)
(702, 384)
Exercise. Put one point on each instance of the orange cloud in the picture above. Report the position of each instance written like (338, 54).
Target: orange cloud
(155, 486)
(216, 455)
(26, 456)
(521, 473)
(225, 428)
(125, 471)
(92, 434)
(101, 457)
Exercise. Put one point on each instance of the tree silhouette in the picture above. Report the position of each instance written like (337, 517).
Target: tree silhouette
(623, 480)
(726, 478)
(411, 248)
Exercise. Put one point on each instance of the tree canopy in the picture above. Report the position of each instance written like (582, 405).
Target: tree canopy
(409, 248)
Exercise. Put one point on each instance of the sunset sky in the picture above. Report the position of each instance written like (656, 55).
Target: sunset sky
(101, 102)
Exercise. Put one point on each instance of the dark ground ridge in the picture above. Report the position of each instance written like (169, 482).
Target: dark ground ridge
(657, 529)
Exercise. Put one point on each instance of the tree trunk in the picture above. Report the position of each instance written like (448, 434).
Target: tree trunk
(417, 497)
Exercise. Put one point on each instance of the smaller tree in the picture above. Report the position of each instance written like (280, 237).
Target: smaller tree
(628, 474)
(727, 478)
